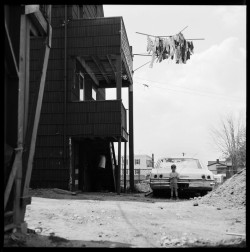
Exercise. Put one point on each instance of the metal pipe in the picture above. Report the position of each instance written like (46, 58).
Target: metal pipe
(65, 82)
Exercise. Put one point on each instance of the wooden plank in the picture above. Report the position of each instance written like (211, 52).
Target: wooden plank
(10, 55)
(31, 8)
(101, 69)
(36, 122)
(88, 70)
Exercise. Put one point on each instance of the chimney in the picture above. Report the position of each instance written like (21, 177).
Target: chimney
(217, 161)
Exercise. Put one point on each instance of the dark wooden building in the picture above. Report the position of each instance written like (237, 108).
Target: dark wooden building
(78, 126)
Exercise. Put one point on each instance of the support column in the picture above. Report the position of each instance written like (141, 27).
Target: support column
(131, 138)
(125, 166)
(35, 124)
(20, 134)
(118, 185)
(119, 97)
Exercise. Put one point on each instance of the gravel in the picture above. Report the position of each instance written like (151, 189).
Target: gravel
(230, 194)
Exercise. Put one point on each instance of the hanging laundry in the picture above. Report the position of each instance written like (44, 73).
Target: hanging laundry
(175, 47)
(152, 60)
(150, 45)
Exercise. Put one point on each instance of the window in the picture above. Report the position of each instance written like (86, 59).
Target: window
(81, 87)
(137, 161)
(137, 171)
(149, 163)
(93, 93)
(127, 172)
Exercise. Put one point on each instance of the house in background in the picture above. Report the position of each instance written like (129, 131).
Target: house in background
(78, 126)
(143, 165)
(220, 167)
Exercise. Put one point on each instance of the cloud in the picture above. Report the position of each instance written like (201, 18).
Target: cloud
(231, 15)
(174, 114)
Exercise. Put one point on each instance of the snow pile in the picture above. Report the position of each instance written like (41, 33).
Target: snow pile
(232, 193)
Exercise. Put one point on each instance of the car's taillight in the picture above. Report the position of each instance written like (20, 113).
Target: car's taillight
(208, 177)
(203, 176)
(160, 176)
(155, 176)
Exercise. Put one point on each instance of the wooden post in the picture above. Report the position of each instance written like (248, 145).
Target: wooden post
(35, 126)
(27, 70)
(118, 186)
(21, 87)
(125, 165)
(131, 138)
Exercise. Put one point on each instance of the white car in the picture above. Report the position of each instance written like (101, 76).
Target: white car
(192, 176)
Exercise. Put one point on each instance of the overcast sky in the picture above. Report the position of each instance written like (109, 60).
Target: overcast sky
(183, 101)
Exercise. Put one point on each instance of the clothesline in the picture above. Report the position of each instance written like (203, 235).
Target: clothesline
(166, 36)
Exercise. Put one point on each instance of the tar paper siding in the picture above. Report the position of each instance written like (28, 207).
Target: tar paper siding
(49, 167)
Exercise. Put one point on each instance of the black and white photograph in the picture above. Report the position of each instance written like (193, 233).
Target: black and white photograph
(125, 125)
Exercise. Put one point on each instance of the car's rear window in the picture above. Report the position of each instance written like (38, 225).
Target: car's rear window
(179, 162)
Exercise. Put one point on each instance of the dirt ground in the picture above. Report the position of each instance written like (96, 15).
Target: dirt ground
(127, 220)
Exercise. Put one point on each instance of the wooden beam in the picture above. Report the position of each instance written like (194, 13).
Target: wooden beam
(40, 22)
(125, 165)
(100, 67)
(27, 72)
(10, 55)
(131, 137)
(35, 126)
(88, 69)
(111, 64)
(21, 102)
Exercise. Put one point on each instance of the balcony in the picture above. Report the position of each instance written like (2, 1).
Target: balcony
(100, 44)
(97, 119)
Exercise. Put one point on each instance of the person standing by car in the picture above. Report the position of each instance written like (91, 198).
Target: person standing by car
(173, 178)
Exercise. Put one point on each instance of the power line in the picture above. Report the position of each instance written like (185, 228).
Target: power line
(188, 89)
(191, 93)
